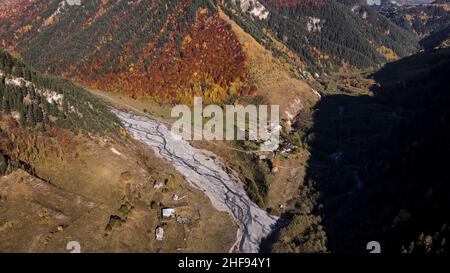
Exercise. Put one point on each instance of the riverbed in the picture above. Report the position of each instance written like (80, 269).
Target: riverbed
(203, 171)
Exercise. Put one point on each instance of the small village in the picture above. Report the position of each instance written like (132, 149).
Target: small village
(176, 213)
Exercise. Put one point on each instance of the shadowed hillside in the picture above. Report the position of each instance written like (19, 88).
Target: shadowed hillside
(379, 165)
(381, 162)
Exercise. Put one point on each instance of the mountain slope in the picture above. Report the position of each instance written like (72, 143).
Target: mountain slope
(378, 166)
(326, 34)
(431, 22)
(69, 173)
(355, 168)
(170, 52)
(144, 48)
(37, 100)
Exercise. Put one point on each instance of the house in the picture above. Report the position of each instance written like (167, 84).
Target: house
(168, 212)
(158, 184)
(159, 233)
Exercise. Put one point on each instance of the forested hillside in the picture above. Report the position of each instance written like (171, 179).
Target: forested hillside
(40, 116)
(431, 22)
(167, 50)
(327, 34)
(352, 166)
(39, 101)
(378, 167)
(69, 172)
(182, 47)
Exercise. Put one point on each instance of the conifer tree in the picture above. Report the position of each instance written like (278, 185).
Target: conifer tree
(31, 122)
(23, 118)
(5, 106)
(38, 115)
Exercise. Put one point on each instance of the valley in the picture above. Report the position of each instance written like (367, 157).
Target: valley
(86, 152)
(88, 181)
(204, 173)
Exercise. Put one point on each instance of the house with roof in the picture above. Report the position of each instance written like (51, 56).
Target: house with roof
(168, 212)
(159, 233)
(158, 184)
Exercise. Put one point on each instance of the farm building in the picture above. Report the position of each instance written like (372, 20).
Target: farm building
(158, 184)
(168, 212)
(159, 233)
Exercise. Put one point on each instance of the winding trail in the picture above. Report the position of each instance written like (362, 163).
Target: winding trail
(202, 172)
